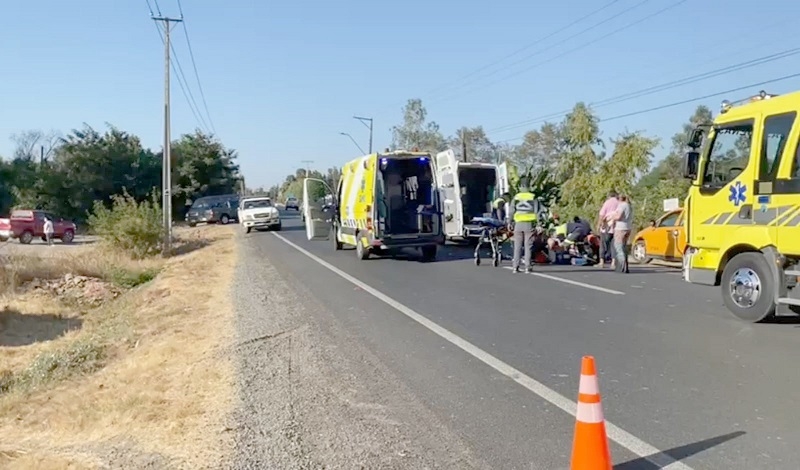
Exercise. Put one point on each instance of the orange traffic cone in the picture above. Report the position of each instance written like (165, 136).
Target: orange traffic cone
(590, 447)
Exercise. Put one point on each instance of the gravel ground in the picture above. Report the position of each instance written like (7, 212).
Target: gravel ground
(312, 397)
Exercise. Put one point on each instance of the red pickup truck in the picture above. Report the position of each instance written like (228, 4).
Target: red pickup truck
(27, 224)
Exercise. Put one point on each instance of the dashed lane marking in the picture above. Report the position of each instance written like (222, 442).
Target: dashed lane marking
(615, 433)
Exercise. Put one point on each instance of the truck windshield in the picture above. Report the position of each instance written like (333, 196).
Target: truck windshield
(729, 154)
(258, 204)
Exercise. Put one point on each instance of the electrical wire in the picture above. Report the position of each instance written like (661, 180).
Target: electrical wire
(574, 49)
(657, 88)
(179, 72)
(687, 101)
(524, 48)
(194, 66)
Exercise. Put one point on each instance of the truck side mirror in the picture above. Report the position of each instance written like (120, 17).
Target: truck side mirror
(691, 162)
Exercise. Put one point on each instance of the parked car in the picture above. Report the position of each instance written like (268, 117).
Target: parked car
(259, 213)
(664, 239)
(27, 224)
(213, 209)
(292, 203)
(5, 229)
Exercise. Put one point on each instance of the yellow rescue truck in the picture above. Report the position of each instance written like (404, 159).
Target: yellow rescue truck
(383, 203)
(743, 208)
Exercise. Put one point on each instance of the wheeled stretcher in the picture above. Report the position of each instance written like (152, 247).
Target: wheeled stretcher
(488, 230)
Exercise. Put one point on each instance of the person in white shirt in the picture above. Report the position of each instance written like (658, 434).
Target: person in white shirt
(48, 230)
(623, 223)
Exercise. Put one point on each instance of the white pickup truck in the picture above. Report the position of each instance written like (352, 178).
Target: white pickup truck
(258, 213)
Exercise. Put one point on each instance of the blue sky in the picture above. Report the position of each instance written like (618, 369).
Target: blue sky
(282, 80)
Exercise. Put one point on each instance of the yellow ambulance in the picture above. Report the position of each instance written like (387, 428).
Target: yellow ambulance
(383, 202)
(743, 208)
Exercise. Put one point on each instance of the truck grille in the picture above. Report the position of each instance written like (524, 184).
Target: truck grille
(262, 215)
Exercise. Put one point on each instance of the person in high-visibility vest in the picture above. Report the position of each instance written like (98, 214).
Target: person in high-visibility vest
(499, 206)
(524, 212)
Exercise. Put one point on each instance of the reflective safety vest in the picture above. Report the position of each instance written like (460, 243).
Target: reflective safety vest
(526, 208)
(498, 203)
(561, 230)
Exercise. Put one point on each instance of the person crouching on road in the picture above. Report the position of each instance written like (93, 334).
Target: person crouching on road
(48, 231)
(524, 210)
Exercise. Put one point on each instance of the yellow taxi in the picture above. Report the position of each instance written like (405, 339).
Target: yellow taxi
(664, 239)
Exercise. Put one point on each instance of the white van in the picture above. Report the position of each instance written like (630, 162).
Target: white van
(467, 190)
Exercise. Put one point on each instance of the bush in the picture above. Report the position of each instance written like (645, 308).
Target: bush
(131, 226)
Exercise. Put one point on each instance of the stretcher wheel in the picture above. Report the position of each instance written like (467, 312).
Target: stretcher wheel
(477, 261)
(496, 262)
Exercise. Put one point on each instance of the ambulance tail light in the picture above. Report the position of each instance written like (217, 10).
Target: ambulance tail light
(369, 218)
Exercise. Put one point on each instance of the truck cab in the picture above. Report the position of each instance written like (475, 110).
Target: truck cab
(467, 190)
(743, 208)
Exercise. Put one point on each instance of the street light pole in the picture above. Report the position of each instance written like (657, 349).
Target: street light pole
(354, 141)
(166, 171)
(363, 121)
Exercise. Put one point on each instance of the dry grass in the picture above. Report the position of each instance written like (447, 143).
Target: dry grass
(149, 383)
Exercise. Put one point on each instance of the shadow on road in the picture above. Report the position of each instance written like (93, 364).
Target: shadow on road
(679, 453)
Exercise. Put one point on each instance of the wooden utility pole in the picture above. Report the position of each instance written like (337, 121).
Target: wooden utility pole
(464, 145)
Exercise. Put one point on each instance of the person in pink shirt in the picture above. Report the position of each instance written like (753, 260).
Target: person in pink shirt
(605, 228)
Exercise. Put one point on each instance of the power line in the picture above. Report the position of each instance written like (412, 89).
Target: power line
(575, 49)
(658, 88)
(194, 66)
(691, 100)
(178, 71)
(526, 47)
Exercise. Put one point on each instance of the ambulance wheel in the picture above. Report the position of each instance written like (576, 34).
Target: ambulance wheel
(337, 245)
(429, 253)
(747, 287)
(362, 252)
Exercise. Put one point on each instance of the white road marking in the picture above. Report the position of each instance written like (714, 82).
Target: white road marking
(574, 283)
(615, 433)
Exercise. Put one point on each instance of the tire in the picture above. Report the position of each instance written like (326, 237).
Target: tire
(192, 224)
(224, 219)
(26, 238)
(68, 237)
(639, 253)
(248, 229)
(362, 252)
(278, 227)
(753, 270)
(337, 245)
(429, 253)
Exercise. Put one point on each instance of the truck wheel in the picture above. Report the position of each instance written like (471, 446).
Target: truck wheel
(68, 237)
(248, 229)
(26, 238)
(747, 287)
(362, 252)
(224, 219)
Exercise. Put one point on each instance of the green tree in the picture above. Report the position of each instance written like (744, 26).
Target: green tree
(202, 166)
(416, 131)
(541, 148)
(479, 147)
(579, 161)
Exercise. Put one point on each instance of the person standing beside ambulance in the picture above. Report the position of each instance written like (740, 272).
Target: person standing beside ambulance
(524, 212)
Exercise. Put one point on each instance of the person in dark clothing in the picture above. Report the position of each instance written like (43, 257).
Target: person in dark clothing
(578, 229)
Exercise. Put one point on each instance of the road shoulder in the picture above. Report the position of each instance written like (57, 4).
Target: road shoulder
(312, 397)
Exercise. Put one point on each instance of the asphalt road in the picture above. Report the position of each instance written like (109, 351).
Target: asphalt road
(683, 383)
